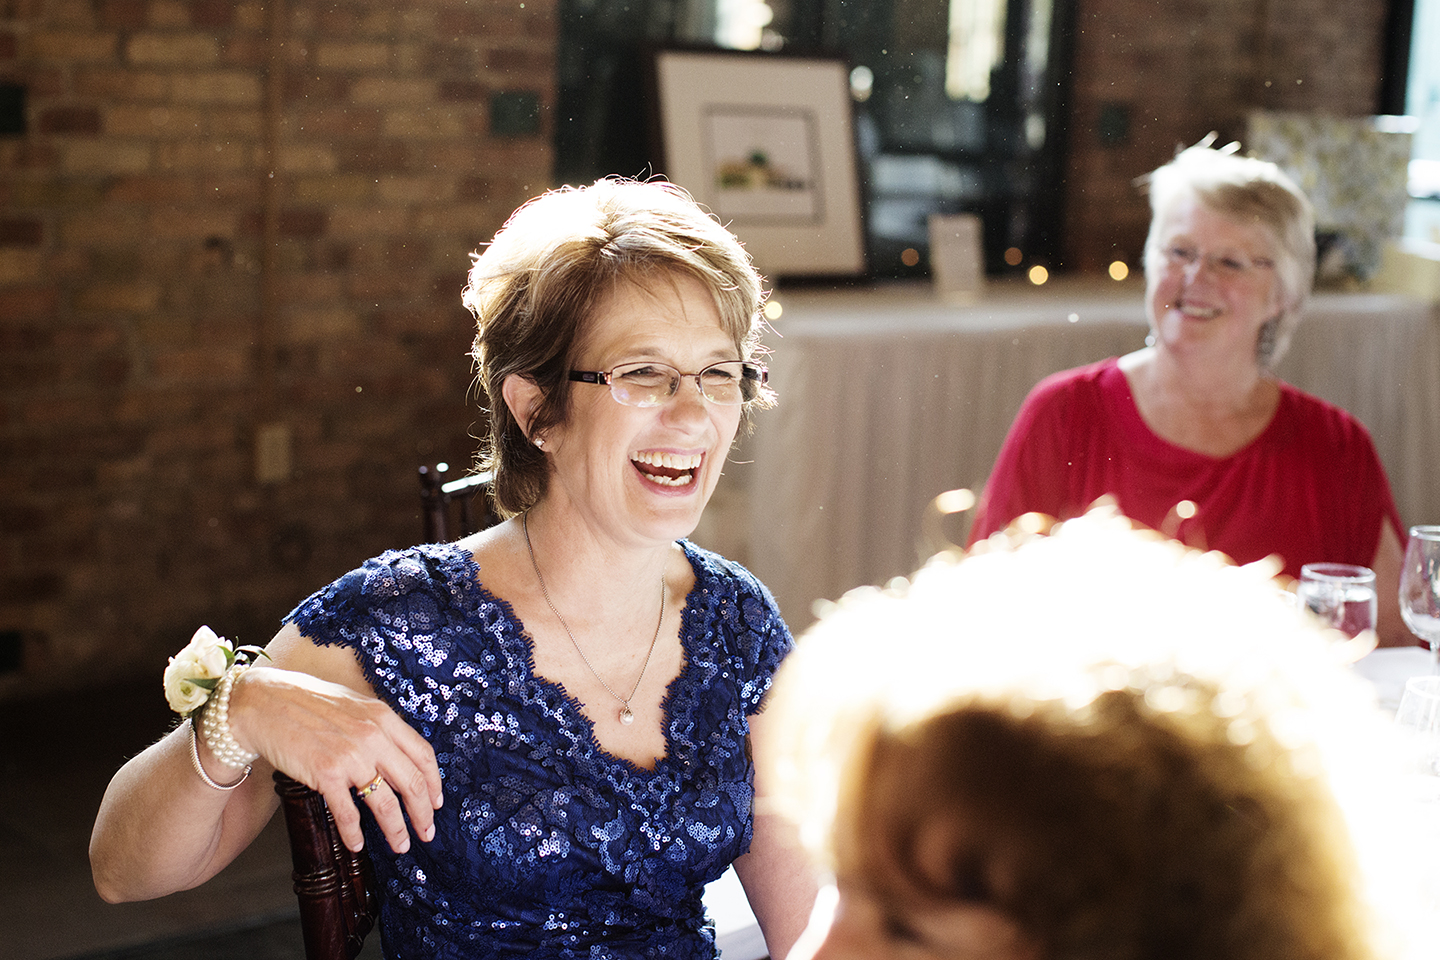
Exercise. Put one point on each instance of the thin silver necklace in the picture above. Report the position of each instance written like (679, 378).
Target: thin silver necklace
(626, 716)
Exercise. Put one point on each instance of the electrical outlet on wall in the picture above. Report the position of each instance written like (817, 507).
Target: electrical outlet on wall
(272, 453)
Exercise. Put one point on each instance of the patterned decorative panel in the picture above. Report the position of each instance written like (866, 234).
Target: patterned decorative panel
(1354, 173)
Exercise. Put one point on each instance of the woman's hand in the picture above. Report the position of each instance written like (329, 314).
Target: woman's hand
(308, 711)
(319, 722)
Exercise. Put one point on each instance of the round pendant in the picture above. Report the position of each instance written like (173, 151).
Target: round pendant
(626, 717)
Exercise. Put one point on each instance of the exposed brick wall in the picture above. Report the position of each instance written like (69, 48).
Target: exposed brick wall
(163, 298)
(1181, 68)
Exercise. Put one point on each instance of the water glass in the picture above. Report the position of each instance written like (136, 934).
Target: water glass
(1340, 594)
(1419, 716)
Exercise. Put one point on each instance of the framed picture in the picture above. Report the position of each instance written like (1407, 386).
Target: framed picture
(767, 143)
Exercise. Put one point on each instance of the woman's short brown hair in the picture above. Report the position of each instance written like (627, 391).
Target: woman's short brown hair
(1252, 191)
(535, 287)
(1144, 752)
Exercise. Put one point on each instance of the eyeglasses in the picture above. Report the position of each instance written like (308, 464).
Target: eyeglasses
(1229, 265)
(647, 384)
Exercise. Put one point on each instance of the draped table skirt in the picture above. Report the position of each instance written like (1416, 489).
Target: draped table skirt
(890, 396)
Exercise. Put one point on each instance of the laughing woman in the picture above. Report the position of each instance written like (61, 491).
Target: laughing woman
(1194, 435)
(548, 725)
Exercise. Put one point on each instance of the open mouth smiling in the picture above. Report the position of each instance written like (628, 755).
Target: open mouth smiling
(1199, 312)
(667, 469)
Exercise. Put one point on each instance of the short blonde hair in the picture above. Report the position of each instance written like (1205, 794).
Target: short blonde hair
(534, 289)
(1152, 755)
(1250, 191)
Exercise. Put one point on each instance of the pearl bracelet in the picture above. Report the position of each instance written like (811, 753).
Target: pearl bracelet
(200, 767)
(215, 724)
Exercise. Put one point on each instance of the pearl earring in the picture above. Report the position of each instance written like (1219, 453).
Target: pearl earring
(540, 443)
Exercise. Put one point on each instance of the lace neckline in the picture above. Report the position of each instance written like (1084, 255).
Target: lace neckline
(679, 702)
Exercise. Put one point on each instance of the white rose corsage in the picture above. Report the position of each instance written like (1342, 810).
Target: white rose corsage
(202, 675)
(194, 672)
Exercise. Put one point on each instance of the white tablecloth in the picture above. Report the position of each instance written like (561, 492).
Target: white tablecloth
(889, 396)
(1389, 667)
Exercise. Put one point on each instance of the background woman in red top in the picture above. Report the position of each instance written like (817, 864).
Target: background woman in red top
(1194, 435)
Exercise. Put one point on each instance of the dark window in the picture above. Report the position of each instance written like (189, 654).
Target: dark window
(959, 104)
(1411, 85)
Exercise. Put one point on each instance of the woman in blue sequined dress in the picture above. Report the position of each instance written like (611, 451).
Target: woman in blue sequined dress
(551, 722)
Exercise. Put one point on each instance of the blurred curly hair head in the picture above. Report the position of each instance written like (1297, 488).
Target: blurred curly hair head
(1136, 752)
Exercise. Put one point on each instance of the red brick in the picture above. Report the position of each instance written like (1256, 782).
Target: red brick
(84, 120)
(296, 222)
(308, 88)
(122, 85)
(17, 339)
(339, 121)
(21, 9)
(245, 50)
(208, 365)
(510, 62)
(335, 20)
(334, 256)
(475, 188)
(44, 82)
(463, 23)
(30, 372)
(451, 60)
(71, 46)
(211, 13)
(391, 156)
(464, 91)
(122, 14)
(28, 588)
(382, 284)
(21, 232)
(148, 190)
(77, 337)
(28, 303)
(85, 407)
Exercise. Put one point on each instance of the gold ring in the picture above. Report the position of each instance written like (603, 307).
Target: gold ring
(370, 787)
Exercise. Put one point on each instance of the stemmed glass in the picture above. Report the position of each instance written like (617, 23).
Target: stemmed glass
(1420, 587)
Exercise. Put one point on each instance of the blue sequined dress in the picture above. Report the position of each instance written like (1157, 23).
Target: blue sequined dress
(546, 846)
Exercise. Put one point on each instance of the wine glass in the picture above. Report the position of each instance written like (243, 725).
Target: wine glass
(1420, 587)
(1340, 594)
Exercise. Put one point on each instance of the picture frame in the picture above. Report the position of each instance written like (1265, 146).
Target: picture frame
(767, 143)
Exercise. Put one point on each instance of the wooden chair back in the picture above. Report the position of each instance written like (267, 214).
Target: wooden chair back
(440, 500)
(339, 902)
(335, 886)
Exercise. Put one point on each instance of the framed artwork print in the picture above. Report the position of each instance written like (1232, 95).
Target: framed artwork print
(767, 143)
